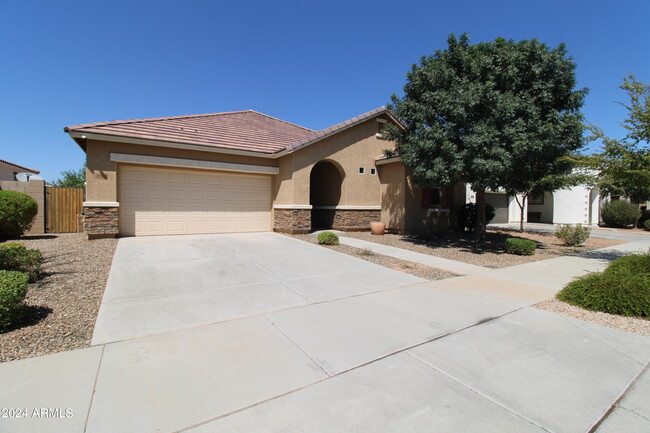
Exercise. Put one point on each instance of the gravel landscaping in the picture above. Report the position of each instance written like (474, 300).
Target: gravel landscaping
(417, 269)
(462, 247)
(627, 324)
(63, 305)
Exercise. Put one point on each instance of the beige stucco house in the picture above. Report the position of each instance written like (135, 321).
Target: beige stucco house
(9, 170)
(245, 171)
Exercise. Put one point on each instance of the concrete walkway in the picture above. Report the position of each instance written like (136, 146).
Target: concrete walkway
(453, 266)
(463, 354)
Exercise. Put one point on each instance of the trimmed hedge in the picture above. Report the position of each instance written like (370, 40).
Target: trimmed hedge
(17, 212)
(15, 257)
(520, 247)
(467, 215)
(646, 224)
(13, 288)
(623, 288)
(620, 214)
(573, 235)
(328, 238)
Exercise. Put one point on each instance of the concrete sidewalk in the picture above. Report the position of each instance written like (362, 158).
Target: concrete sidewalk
(453, 266)
(463, 354)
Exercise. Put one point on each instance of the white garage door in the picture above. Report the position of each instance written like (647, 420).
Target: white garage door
(500, 204)
(165, 201)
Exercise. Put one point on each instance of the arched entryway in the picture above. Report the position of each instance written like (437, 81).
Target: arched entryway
(325, 183)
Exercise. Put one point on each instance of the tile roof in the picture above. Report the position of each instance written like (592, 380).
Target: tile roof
(20, 166)
(338, 127)
(239, 130)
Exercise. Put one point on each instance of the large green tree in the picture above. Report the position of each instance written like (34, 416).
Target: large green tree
(72, 178)
(479, 113)
(624, 163)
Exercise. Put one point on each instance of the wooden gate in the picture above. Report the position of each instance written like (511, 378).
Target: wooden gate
(63, 207)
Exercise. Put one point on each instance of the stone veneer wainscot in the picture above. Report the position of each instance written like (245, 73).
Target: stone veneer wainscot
(101, 220)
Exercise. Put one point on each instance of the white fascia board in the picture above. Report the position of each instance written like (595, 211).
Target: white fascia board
(292, 206)
(192, 163)
(388, 160)
(170, 144)
(101, 204)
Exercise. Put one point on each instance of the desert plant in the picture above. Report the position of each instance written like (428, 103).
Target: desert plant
(623, 288)
(520, 247)
(646, 224)
(573, 235)
(328, 238)
(366, 252)
(620, 213)
(467, 215)
(15, 257)
(13, 288)
(17, 212)
(631, 264)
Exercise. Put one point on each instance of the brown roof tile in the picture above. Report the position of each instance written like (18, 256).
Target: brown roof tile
(20, 166)
(239, 130)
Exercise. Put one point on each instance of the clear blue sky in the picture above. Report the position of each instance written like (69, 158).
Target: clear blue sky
(311, 63)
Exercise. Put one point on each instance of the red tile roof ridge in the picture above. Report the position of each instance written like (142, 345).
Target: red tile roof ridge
(20, 166)
(283, 121)
(154, 119)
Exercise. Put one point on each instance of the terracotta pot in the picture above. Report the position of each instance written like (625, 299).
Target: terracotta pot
(377, 227)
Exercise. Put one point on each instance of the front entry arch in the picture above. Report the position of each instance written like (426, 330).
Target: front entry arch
(325, 182)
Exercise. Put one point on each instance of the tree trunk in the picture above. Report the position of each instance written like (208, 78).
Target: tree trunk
(521, 205)
(480, 215)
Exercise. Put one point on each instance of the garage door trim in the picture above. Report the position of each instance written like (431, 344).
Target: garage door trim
(192, 163)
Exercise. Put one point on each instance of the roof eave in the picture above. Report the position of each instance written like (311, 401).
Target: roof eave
(80, 138)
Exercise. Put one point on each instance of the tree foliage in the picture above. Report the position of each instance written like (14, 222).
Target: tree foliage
(72, 178)
(494, 115)
(624, 163)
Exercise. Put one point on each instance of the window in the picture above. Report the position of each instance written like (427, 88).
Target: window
(373, 171)
(536, 199)
(381, 123)
(362, 170)
(432, 198)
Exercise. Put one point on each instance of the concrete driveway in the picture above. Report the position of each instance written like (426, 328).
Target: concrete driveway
(161, 284)
(264, 333)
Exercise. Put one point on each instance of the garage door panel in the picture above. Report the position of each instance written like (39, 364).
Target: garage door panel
(158, 201)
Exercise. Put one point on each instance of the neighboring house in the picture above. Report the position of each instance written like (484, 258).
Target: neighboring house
(9, 170)
(575, 205)
(246, 171)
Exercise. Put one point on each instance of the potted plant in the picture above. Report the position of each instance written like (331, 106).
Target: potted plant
(377, 227)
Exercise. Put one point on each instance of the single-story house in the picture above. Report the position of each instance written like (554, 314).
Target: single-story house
(9, 170)
(575, 205)
(245, 171)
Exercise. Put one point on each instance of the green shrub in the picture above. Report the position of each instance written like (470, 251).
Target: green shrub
(573, 235)
(13, 288)
(632, 264)
(623, 288)
(520, 247)
(646, 224)
(17, 212)
(610, 292)
(467, 215)
(17, 258)
(620, 213)
(328, 238)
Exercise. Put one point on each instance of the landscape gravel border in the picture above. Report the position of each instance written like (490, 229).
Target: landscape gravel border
(61, 307)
